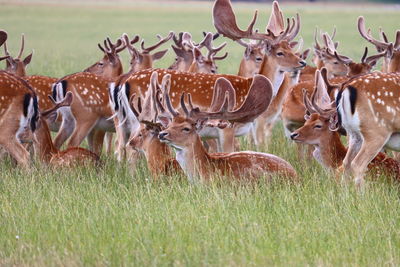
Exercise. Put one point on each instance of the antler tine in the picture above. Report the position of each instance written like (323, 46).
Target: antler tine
(187, 41)
(372, 58)
(221, 57)
(243, 43)
(364, 55)
(2, 58)
(183, 106)
(295, 29)
(121, 45)
(63, 103)
(320, 99)
(162, 41)
(333, 35)
(367, 34)
(132, 50)
(225, 22)
(6, 50)
(275, 22)
(316, 46)
(178, 41)
(397, 42)
(307, 102)
(3, 37)
(22, 46)
(343, 59)
(166, 84)
(206, 42)
(330, 47)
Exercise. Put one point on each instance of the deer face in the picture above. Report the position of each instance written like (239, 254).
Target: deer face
(180, 133)
(183, 59)
(17, 66)
(284, 57)
(334, 66)
(108, 67)
(143, 139)
(313, 130)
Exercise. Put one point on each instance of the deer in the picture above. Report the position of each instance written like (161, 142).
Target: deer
(18, 116)
(280, 59)
(392, 60)
(95, 103)
(159, 157)
(316, 131)
(181, 132)
(44, 147)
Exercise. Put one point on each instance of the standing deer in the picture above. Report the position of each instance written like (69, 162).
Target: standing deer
(329, 150)
(182, 134)
(280, 58)
(18, 115)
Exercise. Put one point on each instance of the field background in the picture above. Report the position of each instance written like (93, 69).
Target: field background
(117, 215)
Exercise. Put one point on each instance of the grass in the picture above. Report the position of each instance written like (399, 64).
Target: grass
(120, 216)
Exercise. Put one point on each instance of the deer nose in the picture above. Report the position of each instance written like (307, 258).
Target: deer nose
(293, 136)
(162, 135)
(303, 63)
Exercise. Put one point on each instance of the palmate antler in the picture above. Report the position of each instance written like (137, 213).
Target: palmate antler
(256, 102)
(225, 23)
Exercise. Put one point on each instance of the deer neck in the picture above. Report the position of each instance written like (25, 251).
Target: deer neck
(157, 155)
(193, 160)
(330, 152)
(43, 143)
(271, 70)
(394, 63)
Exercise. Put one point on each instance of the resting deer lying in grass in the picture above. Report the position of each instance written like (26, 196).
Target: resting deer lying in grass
(181, 132)
(159, 157)
(45, 149)
(329, 150)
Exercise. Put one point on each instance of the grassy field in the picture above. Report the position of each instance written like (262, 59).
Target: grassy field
(119, 216)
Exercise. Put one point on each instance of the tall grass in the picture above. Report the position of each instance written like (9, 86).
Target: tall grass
(117, 215)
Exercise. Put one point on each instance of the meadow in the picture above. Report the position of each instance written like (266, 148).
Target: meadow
(117, 215)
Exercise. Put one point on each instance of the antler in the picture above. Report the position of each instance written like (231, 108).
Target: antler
(3, 36)
(110, 48)
(367, 35)
(63, 103)
(276, 23)
(225, 23)
(129, 44)
(162, 41)
(257, 101)
(22, 46)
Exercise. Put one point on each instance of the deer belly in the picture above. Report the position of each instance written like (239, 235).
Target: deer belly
(105, 125)
(394, 142)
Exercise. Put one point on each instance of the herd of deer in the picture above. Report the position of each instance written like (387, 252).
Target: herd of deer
(198, 113)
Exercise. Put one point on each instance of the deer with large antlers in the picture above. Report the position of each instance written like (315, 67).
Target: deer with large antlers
(182, 134)
(392, 59)
(44, 147)
(329, 150)
(279, 58)
(159, 157)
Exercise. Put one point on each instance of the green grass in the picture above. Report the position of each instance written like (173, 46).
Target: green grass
(119, 216)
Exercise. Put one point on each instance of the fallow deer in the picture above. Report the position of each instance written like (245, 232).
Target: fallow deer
(279, 58)
(392, 60)
(182, 134)
(45, 149)
(18, 115)
(159, 157)
(329, 150)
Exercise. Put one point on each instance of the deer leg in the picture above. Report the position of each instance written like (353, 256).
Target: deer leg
(355, 142)
(17, 152)
(108, 140)
(83, 127)
(95, 141)
(227, 137)
(371, 146)
(66, 128)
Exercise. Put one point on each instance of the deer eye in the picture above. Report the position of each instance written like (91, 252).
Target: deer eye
(317, 126)
(176, 59)
(101, 64)
(335, 62)
(280, 54)
(186, 129)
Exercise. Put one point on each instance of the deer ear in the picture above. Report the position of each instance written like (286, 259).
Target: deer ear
(28, 59)
(307, 116)
(197, 55)
(247, 53)
(159, 55)
(200, 124)
(164, 120)
(51, 117)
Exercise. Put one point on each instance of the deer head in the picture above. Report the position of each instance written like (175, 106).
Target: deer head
(320, 117)
(252, 58)
(16, 65)
(144, 59)
(277, 39)
(184, 53)
(181, 130)
(110, 66)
